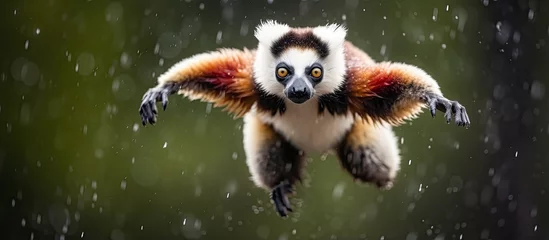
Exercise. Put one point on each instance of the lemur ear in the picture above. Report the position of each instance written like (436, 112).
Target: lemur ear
(333, 34)
(269, 31)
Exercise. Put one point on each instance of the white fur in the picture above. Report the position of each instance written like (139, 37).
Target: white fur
(252, 147)
(308, 131)
(269, 31)
(384, 143)
(301, 123)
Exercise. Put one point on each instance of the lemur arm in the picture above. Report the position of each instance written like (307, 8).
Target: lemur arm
(395, 92)
(223, 77)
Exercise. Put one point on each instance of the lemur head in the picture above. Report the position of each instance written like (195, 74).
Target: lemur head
(299, 63)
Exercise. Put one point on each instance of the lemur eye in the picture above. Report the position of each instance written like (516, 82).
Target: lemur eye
(316, 72)
(282, 72)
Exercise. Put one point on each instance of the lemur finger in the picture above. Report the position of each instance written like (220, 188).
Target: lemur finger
(433, 106)
(143, 118)
(154, 108)
(448, 113)
(276, 198)
(152, 116)
(286, 189)
(144, 112)
(165, 100)
(467, 120)
(456, 108)
(465, 117)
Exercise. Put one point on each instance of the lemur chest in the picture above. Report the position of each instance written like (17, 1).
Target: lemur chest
(307, 130)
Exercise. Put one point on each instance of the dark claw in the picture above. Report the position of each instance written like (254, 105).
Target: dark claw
(433, 107)
(164, 101)
(279, 196)
(449, 108)
(148, 109)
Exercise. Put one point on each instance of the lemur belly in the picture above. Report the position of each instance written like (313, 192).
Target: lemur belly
(306, 129)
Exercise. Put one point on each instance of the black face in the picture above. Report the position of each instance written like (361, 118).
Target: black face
(299, 87)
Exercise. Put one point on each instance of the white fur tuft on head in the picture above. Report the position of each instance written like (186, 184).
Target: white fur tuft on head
(269, 31)
(333, 34)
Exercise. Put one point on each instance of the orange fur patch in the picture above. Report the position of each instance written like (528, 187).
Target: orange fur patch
(386, 81)
(223, 77)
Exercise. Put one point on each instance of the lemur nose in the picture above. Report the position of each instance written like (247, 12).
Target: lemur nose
(300, 91)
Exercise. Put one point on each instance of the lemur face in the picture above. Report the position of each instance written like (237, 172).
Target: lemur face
(299, 71)
(299, 63)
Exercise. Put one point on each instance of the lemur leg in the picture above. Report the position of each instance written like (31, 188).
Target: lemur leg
(274, 163)
(370, 153)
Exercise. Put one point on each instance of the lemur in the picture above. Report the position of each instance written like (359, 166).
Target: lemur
(307, 90)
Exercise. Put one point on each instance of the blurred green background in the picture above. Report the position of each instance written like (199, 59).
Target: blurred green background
(76, 163)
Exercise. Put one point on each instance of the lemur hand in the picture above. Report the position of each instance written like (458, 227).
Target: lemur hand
(148, 110)
(449, 107)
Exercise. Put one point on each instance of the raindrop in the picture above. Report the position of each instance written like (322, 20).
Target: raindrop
(27, 44)
(219, 36)
(125, 60)
(537, 90)
(165, 145)
(37, 31)
(117, 234)
(30, 73)
(382, 51)
(123, 185)
(59, 217)
(114, 12)
(411, 236)
(338, 190)
(85, 64)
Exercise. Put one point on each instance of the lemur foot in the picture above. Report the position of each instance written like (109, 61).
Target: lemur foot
(449, 107)
(279, 196)
(148, 110)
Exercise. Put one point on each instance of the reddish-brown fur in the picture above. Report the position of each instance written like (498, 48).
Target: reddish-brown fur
(225, 78)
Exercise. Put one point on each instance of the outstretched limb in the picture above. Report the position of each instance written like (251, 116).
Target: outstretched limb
(394, 92)
(274, 163)
(370, 153)
(223, 77)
